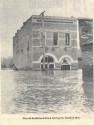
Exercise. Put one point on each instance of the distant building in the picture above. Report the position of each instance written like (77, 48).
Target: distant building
(58, 42)
(86, 40)
(86, 45)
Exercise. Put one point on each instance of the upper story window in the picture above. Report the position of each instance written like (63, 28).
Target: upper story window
(67, 39)
(55, 38)
(17, 47)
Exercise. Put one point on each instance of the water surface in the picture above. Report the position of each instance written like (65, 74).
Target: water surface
(45, 92)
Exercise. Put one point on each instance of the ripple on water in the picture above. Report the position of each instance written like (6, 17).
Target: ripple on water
(45, 92)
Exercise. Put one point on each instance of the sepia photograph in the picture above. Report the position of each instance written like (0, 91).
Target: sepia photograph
(46, 57)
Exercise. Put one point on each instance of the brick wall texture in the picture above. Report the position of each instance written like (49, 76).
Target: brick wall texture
(28, 43)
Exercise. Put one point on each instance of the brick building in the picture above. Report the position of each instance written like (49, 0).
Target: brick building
(54, 38)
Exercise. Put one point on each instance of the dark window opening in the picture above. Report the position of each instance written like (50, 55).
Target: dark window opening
(66, 64)
(17, 50)
(48, 59)
(45, 66)
(79, 59)
(55, 38)
(67, 38)
(65, 67)
(51, 66)
(41, 66)
(49, 62)
(28, 46)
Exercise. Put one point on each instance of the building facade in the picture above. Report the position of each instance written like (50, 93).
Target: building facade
(49, 42)
(86, 45)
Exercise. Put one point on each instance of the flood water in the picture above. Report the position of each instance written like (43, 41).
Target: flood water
(45, 92)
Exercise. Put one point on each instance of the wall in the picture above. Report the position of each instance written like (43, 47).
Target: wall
(28, 46)
(22, 47)
(59, 50)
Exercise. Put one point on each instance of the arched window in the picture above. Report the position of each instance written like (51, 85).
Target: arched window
(65, 64)
(48, 59)
(66, 61)
(48, 64)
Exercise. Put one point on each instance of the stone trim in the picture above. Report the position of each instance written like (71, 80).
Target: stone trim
(56, 61)
(49, 54)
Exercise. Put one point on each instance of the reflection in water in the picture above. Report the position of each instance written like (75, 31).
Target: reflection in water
(45, 92)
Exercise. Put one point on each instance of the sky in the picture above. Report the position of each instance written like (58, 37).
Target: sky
(15, 12)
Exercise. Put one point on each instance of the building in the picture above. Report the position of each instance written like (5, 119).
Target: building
(47, 43)
(86, 45)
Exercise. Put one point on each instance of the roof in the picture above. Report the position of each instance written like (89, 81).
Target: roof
(54, 18)
(84, 18)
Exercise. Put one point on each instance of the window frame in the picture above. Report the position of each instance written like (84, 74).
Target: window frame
(54, 39)
(68, 45)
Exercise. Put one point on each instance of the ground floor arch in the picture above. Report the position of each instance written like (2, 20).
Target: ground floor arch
(65, 64)
(66, 56)
(47, 62)
(48, 54)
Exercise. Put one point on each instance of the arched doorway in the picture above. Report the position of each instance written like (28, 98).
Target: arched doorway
(65, 64)
(49, 62)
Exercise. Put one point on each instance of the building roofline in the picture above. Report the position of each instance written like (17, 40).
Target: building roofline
(60, 17)
(55, 17)
(84, 18)
(72, 18)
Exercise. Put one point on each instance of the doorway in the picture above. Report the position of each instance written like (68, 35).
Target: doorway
(65, 67)
(66, 64)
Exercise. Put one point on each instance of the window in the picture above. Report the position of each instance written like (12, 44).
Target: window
(55, 38)
(17, 47)
(67, 39)
(22, 45)
(48, 59)
(48, 63)
(28, 46)
(66, 64)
